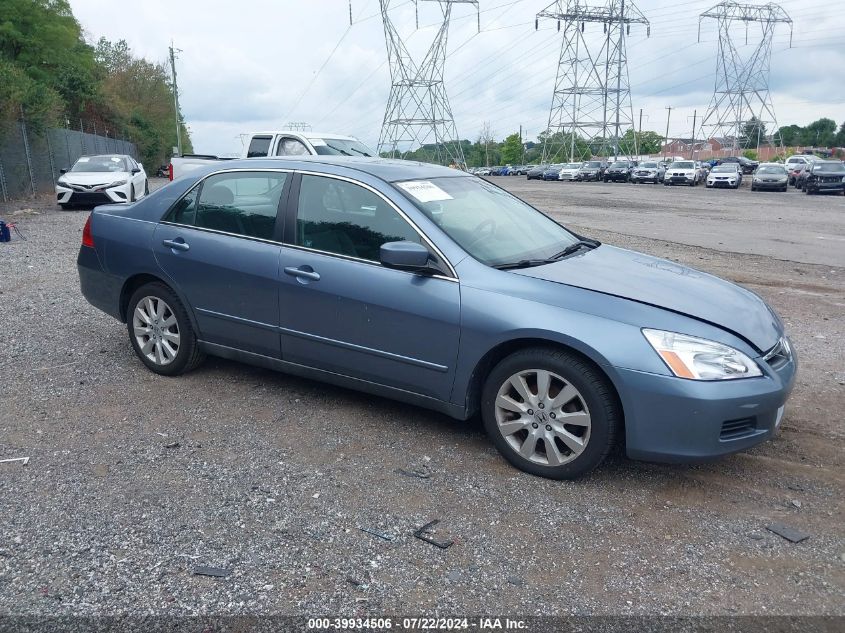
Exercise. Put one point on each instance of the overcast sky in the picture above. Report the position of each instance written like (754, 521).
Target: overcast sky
(257, 64)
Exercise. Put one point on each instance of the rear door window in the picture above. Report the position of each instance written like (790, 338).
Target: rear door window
(240, 203)
(259, 146)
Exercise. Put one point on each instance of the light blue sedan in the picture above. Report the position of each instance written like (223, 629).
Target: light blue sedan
(434, 287)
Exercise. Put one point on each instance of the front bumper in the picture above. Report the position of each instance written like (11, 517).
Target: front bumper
(722, 183)
(822, 187)
(76, 195)
(679, 180)
(616, 176)
(670, 419)
(765, 184)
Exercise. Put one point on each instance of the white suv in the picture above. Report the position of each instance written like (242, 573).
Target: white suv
(682, 172)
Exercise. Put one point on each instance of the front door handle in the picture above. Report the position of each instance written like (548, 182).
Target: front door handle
(177, 245)
(302, 273)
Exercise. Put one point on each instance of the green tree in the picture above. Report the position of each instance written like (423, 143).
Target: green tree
(753, 133)
(820, 133)
(839, 140)
(512, 150)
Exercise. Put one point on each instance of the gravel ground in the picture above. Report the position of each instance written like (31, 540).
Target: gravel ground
(135, 479)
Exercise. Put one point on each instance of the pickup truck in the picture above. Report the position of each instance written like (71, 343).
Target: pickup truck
(286, 143)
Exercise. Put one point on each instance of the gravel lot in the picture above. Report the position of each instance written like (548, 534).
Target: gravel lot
(134, 479)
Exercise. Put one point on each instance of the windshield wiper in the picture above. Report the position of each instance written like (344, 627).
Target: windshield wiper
(528, 263)
(523, 263)
(574, 248)
(342, 151)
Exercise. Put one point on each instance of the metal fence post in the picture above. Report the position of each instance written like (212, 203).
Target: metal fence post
(28, 154)
(3, 182)
(50, 156)
(82, 136)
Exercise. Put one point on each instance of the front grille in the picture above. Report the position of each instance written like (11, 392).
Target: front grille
(735, 429)
(87, 199)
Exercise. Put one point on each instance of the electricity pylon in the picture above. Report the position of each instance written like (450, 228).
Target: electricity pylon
(741, 100)
(418, 111)
(591, 103)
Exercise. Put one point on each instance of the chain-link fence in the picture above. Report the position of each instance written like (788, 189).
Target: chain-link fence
(31, 160)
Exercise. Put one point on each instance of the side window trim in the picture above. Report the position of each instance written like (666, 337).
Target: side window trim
(293, 206)
(281, 210)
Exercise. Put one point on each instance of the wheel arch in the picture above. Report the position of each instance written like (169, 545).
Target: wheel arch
(140, 279)
(505, 348)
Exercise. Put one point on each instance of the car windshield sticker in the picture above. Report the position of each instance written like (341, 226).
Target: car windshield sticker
(115, 159)
(424, 191)
(82, 160)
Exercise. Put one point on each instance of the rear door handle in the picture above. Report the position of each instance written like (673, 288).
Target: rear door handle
(302, 274)
(177, 245)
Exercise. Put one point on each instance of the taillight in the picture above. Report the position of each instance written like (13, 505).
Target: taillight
(170, 171)
(87, 238)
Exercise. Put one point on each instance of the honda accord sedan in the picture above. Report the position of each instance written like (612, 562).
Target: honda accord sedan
(438, 288)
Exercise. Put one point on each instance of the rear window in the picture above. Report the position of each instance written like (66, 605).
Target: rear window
(259, 146)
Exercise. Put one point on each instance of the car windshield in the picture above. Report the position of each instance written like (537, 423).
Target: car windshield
(683, 165)
(830, 167)
(340, 147)
(619, 164)
(593, 164)
(573, 165)
(556, 166)
(99, 164)
(723, 168)
(771, 169)
(487, 222)
(649, 165)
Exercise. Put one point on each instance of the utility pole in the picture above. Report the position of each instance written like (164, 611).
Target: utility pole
(176, 98)
(692, 144)
(418, 111)
(666, 142)
(741, 93)
(592, 93)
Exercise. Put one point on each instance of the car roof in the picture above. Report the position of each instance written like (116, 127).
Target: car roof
(104, 156)
(387, 169)
(309, 135)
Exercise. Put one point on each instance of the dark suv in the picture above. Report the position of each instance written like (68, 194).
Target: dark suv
(620, 170)
(825, 176)
(746, 165)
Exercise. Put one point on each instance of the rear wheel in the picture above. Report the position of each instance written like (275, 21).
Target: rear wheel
(550, 413)
(160, 331)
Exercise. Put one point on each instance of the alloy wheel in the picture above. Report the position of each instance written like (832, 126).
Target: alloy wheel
(542, 417)
(156, 330)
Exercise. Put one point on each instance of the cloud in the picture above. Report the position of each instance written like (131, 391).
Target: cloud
(250, 65)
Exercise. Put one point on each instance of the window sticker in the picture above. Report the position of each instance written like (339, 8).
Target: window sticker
(82, 160)
(424, 190)
(115, 159)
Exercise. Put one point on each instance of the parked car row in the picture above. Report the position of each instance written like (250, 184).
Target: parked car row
(808, 173)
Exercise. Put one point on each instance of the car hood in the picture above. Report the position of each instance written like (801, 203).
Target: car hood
(94, 177)
(664, 284)
(826, 173)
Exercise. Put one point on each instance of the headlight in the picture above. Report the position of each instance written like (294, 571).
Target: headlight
(116, 183)
(61, 181)
(700, 359)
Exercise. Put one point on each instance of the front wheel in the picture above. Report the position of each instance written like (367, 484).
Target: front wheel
(550, 413)
(160, 331)
(131, 193)
(146, 188)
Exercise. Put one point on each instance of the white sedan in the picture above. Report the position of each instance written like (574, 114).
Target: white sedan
(103, 179)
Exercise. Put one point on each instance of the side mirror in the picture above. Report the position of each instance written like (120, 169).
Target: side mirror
(135, 170)
(63, 170)
(404, 256)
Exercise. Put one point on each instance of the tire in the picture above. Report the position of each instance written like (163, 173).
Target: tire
(592, 407)
(146, 188)
(158, 304)
(131, 193)
(64, 207)
(783, 189)
(753, 188)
